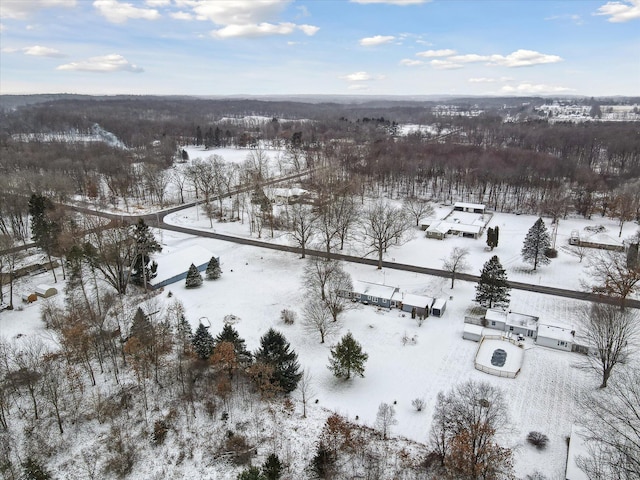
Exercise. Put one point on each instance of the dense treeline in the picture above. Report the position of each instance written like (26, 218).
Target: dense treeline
(529, 166)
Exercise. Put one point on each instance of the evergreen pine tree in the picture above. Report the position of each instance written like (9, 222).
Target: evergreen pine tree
(347, 357)
(272, 468)
(493, 289)
(142, 328)
(194, 278)
(275, 351)
(44, 229)
(203, 343)
(146, 244)
(213, 271)
(230, 334)
(536, 244)
(251, 473)
(492, 237)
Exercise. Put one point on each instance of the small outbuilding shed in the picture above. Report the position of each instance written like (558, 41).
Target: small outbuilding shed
(472, 332)
(409, 301)
(45, 291)
(439, 306)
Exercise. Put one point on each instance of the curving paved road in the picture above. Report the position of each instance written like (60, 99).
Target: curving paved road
(157, 220)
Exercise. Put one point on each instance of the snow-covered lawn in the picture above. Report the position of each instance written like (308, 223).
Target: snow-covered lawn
(257, 284)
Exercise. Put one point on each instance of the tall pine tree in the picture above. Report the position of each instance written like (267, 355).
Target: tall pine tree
(493, 289)
(194, 278)
(203, 343)
(536, 244)
(276, 352)
(347, 357)
(45, 230)
(146, 244)
(213, 271)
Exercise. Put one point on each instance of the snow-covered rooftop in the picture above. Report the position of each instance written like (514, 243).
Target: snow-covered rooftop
(469, 205)
(413, 300)
(556, 332)
(374, 289)
(577, 447)
(177, 262)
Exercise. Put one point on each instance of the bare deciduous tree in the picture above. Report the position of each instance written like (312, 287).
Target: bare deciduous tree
(418, 208)
(317, 273)
(302, 225)
(383, 225)
(305, 388)
(385, 419)
(317, 318)
(611, 421)
(612, 333)
(456, 262)
(612, 276)
(465, 422)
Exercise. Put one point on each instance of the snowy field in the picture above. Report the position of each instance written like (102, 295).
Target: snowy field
(257, 284)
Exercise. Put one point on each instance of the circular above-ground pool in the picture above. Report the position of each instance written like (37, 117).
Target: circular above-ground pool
(498, 358)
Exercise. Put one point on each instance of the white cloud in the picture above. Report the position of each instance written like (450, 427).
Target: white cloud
(445, 64)
(2, 27)
(237, 12)
(537, 89)
(39, 51)
(519, 58)
(619, 12)
(158, 3)
(482, 80)
(376, 40)
(10, 50)
(577, 19)
(117, 12)
(21, 9)
(392, 2)
(357, 77)
(523, 58)
(182, 16)
(436, 53)
(261, 30)
(103, 64)
(358, 86)
(309, 30)
(409, 62)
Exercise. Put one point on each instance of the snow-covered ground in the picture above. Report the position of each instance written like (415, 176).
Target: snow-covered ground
(258, 283)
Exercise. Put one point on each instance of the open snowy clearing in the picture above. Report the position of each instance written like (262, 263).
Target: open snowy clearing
(257, 284)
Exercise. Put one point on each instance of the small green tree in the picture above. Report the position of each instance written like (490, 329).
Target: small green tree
(194, 278)
(272, 468)
(347, 357)
(213, 271)
(203, 343)
(536, 244)
(230, 334)
(492, 237)
(493, 289)
(251, 473)
(276, 352)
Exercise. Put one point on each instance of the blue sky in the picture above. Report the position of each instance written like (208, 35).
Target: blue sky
(269, 47)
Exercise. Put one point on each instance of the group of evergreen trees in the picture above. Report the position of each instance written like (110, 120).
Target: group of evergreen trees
(194, 277)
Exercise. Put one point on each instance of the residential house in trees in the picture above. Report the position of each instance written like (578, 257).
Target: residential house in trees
(599, 240)
(515, 323)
